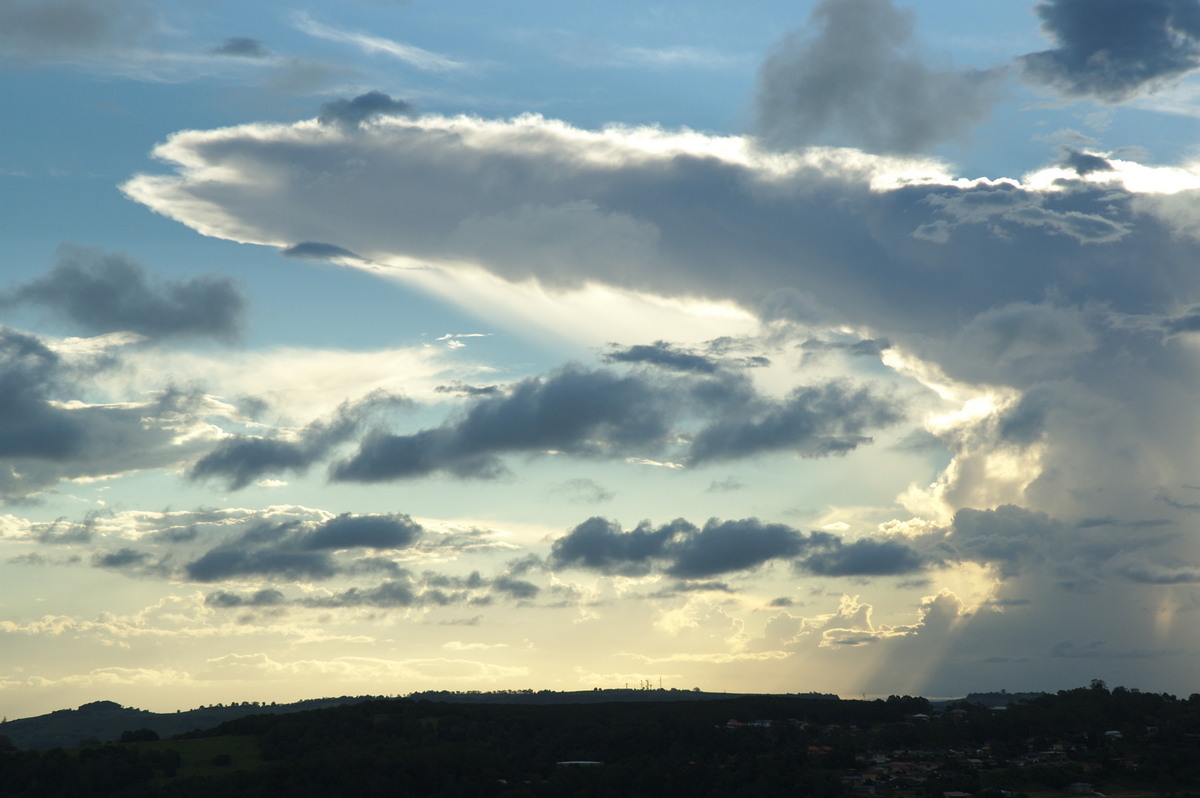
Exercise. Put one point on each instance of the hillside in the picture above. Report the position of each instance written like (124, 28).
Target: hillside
(104, 721)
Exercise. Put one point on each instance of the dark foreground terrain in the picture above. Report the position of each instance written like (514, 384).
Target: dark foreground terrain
(1118, 743)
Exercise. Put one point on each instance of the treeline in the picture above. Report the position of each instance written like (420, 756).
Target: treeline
(749, 745)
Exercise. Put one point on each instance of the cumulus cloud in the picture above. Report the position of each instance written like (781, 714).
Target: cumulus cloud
(1110, 50)
(866, 557)
(101, 293)
(861, 79)
(362, 108)
(1048, 324)
(666, 213)
(243, 459)
(683, 550)
(812, 421)
(663, 355)
(48, 435)
(567, 412)
(298, 550)
(603, 413)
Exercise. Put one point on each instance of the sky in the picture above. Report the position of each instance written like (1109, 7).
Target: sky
(846, 346)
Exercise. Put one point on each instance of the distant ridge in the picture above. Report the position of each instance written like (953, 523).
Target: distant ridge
(596, 696)
(104, 721)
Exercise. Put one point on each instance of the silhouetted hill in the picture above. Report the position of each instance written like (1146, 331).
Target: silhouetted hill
(103, 721)
(1089, 740)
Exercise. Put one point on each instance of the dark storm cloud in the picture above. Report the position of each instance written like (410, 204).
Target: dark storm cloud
(122, 558)
(868, 347)
(43, 441)
(862, 80)
(364, 531)
(469, 390)
(268, 597)
(234, 563)
(1111, 49)
(664, 355)
(111, 292)
(296, 550)
(1008, 537)
(601, 545)
(813, 422)
(518, 589)
(1148, 573)
(242, 459)
(317, 250)
(30, 425)
(361, 108)
(1084, 163)
(1025, 422)
(36, 29)
(866, 557)
(132, 562)
(683, 550)
(429, 590)
(241, 47)
(397, 593)
(603, 414)
(569, 412)
(1187, 323)
(722, 547)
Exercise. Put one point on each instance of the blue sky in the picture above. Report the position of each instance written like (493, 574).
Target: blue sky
(376, 347)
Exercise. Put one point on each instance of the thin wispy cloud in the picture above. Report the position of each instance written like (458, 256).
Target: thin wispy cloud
(412, 55)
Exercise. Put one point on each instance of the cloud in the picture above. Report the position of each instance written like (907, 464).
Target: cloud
(861, 79)
(361, 109)
(49, 29)
(47, 434)
(299, 550)
(102, 293)
(317, 250)
(32, 426)
(406, 53)
(1008, 537)
(1051, 374)
(600, 413)
(567, 411)
(601, 545)
(583, 491)
(664, 355)
(1085, 163)
(666, 213)
(813, 421)
(866, 557)
(722, 547)
(364, 531)
(681, 549)
(242, 47)
(267, 597)
(1110, 50)
(243, 459)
